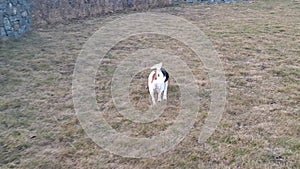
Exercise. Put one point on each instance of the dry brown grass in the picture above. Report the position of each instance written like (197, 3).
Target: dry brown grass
(259, 46)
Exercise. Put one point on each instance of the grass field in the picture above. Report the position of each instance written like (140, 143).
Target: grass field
(259, 46)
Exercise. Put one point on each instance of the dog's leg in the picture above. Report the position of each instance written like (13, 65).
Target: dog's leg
(152, 96)
(159, 95)
(166, 90)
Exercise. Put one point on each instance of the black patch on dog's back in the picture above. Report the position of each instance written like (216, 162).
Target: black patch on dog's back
(165, 73)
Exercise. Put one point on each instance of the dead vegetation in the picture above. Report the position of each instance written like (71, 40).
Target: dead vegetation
(66, 11)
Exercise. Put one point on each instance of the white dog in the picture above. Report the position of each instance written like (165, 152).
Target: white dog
(158, 80)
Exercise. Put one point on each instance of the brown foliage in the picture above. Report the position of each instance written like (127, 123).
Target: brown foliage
(53, 11)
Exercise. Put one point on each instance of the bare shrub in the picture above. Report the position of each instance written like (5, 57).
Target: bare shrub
(53, 11)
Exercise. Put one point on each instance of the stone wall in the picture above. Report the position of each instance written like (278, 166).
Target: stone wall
(15, 18)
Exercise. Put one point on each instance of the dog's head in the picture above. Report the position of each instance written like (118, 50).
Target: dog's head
(158, 75)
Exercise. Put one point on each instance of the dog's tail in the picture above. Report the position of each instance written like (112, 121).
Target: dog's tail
(157, 66)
